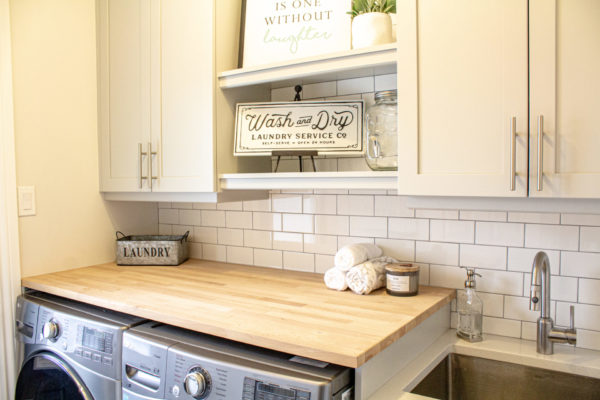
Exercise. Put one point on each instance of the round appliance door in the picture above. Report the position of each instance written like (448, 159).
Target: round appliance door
(45, 376)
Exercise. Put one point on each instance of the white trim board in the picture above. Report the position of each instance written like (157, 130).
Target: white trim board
(9, 228)
(581, 206)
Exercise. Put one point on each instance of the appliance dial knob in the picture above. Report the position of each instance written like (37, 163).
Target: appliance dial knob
(197, 383)
(50, 330)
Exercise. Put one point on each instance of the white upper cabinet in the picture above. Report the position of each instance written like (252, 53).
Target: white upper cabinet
(462, 81)
(565, 98)
(159, 104)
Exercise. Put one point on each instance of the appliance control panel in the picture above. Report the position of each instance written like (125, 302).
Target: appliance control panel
(90, 343)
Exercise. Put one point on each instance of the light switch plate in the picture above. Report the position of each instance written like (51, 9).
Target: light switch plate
(26, 200)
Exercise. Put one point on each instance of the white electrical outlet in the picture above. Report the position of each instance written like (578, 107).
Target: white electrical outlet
(26, 200)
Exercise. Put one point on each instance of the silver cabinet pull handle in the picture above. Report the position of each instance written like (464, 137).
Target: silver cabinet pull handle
(540, 154)
(141, 158)
(150, 154)
(513, 159)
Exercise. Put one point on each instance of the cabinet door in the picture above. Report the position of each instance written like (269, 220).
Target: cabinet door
(185, 79)
(462, 79)
(565, 98)
(124, 93)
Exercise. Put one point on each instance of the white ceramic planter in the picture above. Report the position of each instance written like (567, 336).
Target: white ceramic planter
(371, 29)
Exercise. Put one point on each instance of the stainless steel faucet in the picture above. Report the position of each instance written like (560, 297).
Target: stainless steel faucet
(547, 334)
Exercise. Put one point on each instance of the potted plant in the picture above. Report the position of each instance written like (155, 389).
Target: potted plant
(371, 22)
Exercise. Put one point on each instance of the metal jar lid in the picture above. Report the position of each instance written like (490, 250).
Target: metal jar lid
(397, 268)
(386, 95)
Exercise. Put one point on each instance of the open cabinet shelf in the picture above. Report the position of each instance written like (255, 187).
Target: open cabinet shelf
(311, 180)
(356, 63)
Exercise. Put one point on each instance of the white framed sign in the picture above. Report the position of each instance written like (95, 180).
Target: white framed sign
(328, 127)
(280, 30)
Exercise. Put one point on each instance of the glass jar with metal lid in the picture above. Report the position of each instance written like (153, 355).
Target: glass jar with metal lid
(382, 133)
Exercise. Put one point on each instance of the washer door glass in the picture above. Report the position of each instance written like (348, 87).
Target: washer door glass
(47, 377)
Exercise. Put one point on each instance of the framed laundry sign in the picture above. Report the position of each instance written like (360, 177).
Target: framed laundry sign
(279, 30)
(325, 127)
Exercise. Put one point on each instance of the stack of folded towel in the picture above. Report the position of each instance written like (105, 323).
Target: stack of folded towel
(359, 267)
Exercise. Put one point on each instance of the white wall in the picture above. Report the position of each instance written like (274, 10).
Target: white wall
(54, 75)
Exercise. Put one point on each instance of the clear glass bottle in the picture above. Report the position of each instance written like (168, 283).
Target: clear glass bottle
(382, 132)
(470, 310)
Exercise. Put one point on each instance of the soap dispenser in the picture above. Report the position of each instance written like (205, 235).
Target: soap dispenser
(470, 310)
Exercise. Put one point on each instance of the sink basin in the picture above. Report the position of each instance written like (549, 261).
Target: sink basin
(472, 378)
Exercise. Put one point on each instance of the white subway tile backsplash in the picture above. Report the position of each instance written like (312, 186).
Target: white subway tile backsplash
(392, 206)
(368, 226)
(437, 214)
(231, 237)
(266, 221)
(182, 230)
(191, 217)
(283, 94)
(385, 82)
(589, 291)
(323, 263)
(287, 241)
(452, 231)
(534, 218)
(287, 203)
(355, 205)
(214, 252)
(380, 192)
(590, 239)
(401, 250)
(529, 331)
(320, 204)
(580, 219)
(408, 228)
(164, 205)
(263, 205)
(240, 255)
(165, 229)
(317, 90)
(588, 339)
(258, 239)
(583, 265)
(298, 223)
(268, 258)
(437, 253)
(346, 240)
(355, 85)
(298, 261)
(213, 218)
(493, 304)
(204, 206)
(521, 259)
(562, 288)
(557, 237)
(502, 327)
(195, 250)
(500, 282)
(168, 216)
(491, 257)
(238, 219)
(205, 234)
(352, 164)
(230, 206)
(499, 234)
(423, 274)
(586, 316)
(491, 216)
(518, 308)
(332, 225)
(320, 244)
(444, 276)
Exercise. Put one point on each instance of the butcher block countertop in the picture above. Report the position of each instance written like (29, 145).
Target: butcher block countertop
(288, 311)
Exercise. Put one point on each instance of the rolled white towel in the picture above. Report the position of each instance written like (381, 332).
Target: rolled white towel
(368, 276)
(354, 254)
(335, 279)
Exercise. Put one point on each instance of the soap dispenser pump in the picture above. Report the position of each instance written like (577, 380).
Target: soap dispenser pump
(470, 310)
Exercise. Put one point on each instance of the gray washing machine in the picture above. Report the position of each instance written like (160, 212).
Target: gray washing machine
(71, 350)
(164, 362)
